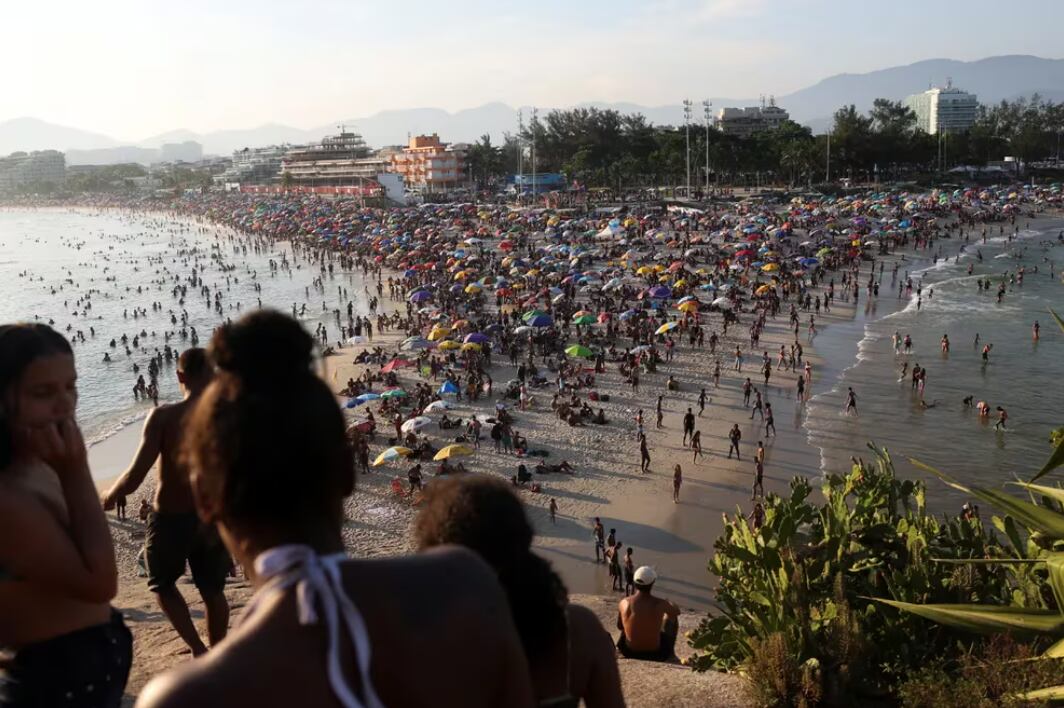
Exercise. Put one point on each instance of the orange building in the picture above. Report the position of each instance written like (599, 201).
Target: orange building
(428, 164)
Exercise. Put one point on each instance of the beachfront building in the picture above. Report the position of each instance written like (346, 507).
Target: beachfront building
(429, 165)
(947, 110)
(339, 160)
(254, 166)
(27, 169)
(744, 122)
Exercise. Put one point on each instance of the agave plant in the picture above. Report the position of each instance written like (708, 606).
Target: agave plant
(1042, 514)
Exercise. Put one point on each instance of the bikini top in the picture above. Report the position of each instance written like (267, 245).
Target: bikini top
(320, 597)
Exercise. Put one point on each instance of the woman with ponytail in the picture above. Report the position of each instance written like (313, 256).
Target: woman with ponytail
(57, 563)
(270, 466)
(570, 656)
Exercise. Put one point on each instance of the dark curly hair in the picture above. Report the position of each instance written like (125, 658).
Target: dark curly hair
(20, 345)
(267, 433)
(484, 515)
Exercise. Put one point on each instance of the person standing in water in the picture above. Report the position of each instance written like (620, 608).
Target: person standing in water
(175, 533)
(65, 644)
(851, 401)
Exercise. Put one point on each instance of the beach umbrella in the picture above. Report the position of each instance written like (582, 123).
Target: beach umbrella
(448, 345)
(689, 306)
(391, 454)
(770, 267)
(448, 387)
(523, 329)
(531, 314)
(540, 321)
(660, 292)
(415, 424)
(473, 289)
(394, 393)
(437, 406)
(367, 397)
(477, 338)
(420, 296)
(357, 339)
(416, 343)
(580, 351)
(393, 365)
(667, 327)
(471, 347)
(584, 320)
(438, 332)
(723, 303)
(450, 451)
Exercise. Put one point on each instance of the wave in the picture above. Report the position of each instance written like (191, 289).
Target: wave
(115, 428)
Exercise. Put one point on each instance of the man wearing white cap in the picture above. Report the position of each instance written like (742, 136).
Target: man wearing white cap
(648, 624)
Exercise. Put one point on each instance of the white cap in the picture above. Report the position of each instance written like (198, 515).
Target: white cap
(645, 575)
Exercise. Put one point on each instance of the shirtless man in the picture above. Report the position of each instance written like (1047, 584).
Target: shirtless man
(640, 619)
(175, 534)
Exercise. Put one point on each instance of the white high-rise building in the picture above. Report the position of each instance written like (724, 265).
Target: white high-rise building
(947, 110)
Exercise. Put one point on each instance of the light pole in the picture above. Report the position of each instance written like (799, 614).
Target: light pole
(519, 184)
(687, 128)
(707, 111)
(534, 114)
(827, 165)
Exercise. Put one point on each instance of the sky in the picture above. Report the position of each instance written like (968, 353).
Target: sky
(135, 68)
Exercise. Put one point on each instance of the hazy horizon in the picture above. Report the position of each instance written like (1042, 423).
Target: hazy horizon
(138, 69)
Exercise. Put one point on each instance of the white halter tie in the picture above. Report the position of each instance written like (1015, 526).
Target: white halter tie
(317, 580)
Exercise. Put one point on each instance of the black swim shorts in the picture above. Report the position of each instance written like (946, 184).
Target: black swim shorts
(173, 539)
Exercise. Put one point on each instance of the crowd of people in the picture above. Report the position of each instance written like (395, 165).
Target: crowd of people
(255, 462)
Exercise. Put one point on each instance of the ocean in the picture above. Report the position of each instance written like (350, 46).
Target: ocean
(1023, 376)
(54, 262)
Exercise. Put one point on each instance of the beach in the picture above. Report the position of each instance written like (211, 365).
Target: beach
(676, 538)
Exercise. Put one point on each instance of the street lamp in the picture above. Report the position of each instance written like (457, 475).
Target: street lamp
(687, 128)
(707, 111)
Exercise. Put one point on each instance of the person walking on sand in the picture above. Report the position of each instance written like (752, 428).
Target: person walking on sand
(734, 436)
(770, 421)
(629, 572)
(661, 413)
(696, 445)
(175, 533)
(701, 402)
(644, 455)
(688, 425)
(553, 510)
(677, 481)
(598, 532)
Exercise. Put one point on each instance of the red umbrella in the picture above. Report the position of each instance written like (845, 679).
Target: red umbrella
(394, 364)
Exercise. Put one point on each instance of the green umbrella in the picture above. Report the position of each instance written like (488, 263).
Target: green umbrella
(580, 350)
(584, 320)
(394, 393)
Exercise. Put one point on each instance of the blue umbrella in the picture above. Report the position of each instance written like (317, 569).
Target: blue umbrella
(447, 387)
(477, 338)
(541, 321)
(367, 397)
(421, 296)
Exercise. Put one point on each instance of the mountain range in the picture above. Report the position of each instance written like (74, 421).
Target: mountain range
(992, 79)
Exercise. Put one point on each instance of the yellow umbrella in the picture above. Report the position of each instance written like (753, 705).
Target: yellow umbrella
(453, 451)
(763, 289)
(438, 333)
(471, 347)
(449, 344)
(461, 275)
(645, 270)
(473, 289)
(391, 454)
(689, 306)
(532, 273)
(680, 283)
(769, 267)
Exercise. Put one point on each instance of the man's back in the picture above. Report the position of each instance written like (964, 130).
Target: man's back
(642, 615)
(174, 492)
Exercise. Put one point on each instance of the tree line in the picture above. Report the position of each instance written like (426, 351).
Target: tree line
(606, 148)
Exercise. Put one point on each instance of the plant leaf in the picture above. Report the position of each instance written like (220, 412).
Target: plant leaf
(1055, 652)
(986, 619)
(1055, 460)
(1053, 693)
(989, 561)
(1035, 517)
